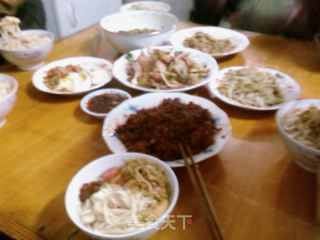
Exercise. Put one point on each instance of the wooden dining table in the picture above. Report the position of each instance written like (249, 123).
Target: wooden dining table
(256, 188)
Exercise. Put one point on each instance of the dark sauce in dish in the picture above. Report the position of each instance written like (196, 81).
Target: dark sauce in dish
(104, 103)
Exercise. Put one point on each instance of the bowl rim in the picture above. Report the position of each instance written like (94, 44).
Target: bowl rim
(50, 35)
(127, 6)
(285, 108)
(89, 96)
(162, 30)
(13, 90)
(172, 204)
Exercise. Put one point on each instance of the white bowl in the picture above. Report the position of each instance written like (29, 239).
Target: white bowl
(147, 5)
(31, 58)
(305, 156)
(7, 103)
(86, 99)
(94, 169)
(164, 23)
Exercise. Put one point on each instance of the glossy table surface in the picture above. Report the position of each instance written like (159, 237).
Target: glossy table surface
(257, 189)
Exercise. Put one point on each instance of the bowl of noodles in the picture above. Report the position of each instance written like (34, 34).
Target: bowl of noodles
(299, 126)
(26, 49)
(122, 196)
(29, 50)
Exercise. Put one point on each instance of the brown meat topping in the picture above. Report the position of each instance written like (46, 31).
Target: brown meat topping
(158, 131)
(51, 80)
(88, 189)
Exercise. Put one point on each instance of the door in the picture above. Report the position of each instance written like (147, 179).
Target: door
(75, 15)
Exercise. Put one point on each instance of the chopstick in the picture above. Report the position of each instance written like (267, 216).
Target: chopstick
(199, 184)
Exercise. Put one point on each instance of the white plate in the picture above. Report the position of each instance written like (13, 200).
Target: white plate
(84, 101)
(240, 40)
(38, 76)
(290, 88)
(120, 68)
(120, 114)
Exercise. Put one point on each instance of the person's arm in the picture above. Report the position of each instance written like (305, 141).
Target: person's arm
(307, 22)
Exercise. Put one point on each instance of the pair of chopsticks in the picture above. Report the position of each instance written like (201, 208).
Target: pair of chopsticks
(200, 186)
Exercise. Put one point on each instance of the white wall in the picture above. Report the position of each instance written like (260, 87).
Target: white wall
(67, 17)
(180, 8)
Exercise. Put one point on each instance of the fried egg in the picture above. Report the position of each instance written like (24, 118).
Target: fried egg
(74, 82)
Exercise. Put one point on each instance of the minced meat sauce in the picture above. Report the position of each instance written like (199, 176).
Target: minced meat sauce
(104, 103)
(158, 131)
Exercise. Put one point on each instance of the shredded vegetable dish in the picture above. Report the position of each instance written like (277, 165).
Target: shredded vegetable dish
(125, 199)
(304, 125)
(206, 43)
(164, 69)
(252, 87)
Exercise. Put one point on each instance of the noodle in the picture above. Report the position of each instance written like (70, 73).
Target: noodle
(304, 125)
(132, 200)
(251, 87)
(14, 39)
(206, 43)
(9, 28)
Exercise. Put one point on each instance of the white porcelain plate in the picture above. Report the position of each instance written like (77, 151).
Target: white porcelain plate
(120, 68)
(289, 88)
(120, 114)
(101, 68)
(239, 40)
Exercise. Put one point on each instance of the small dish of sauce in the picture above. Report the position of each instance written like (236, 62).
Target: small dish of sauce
(99, 103)
(105, 102)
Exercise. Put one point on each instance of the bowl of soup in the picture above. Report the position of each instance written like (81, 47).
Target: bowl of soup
(129, 30)
(28, 50)
(122, 196)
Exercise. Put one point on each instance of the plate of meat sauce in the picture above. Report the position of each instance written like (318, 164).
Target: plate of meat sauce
(165, 69)
(156, 123)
